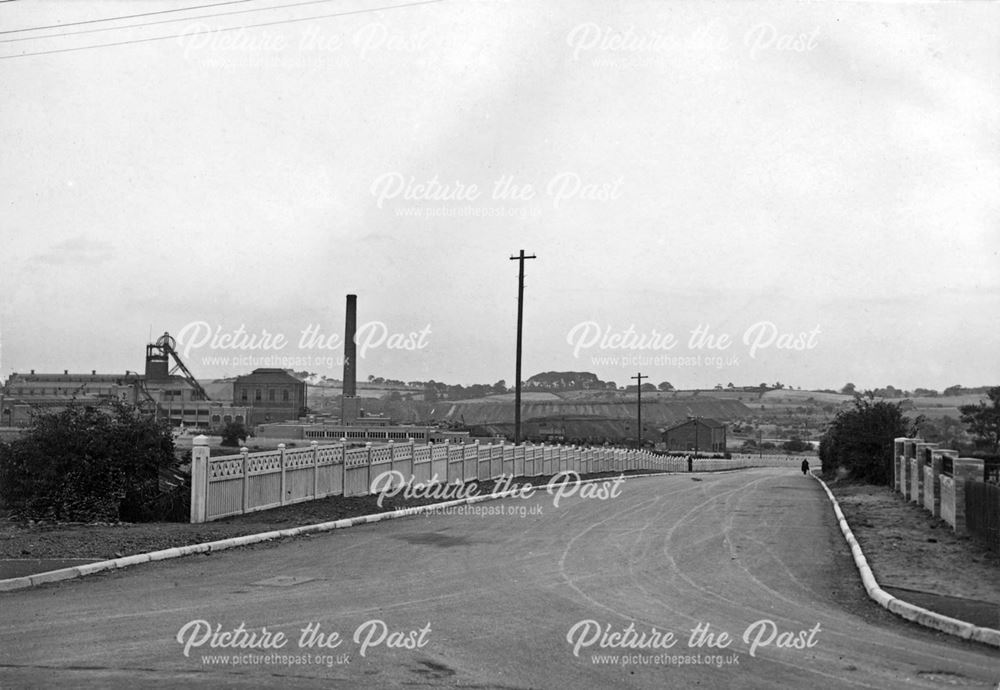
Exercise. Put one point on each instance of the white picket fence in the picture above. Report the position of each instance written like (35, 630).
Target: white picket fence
(248, 482)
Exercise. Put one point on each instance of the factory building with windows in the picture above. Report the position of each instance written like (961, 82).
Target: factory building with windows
(179, 399)
(270, 395)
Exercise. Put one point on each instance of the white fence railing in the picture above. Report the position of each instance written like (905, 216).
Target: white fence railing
(248, 482)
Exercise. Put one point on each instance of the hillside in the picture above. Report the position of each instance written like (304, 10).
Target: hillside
(654, 412)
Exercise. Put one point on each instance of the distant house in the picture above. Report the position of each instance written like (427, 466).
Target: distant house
(698, 434)
(273, 395)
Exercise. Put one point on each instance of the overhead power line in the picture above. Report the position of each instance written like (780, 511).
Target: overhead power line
(165, 21)
(125, 16)
(221, 30)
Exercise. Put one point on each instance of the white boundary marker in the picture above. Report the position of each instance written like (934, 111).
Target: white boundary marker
(910, 612)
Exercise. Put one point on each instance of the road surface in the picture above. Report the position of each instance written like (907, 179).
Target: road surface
(736, 579)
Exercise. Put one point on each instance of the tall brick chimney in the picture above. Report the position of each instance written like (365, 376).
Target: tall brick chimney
(349, 403)
(350, 347)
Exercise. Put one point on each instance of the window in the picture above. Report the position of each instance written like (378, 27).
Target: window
(284, 395)
(215, 418)
(243, 395)
(256, 395)
(270, 394)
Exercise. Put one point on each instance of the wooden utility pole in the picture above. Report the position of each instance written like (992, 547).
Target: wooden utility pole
(638, 390)
(520, 317)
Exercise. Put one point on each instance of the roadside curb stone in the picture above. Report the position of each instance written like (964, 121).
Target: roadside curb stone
(910, 612)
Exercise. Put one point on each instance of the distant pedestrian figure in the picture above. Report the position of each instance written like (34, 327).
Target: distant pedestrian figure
(805, 466)
(690, 464)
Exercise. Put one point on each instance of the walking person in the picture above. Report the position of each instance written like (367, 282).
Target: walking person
(805, 467)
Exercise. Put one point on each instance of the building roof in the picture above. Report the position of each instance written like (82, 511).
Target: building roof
(268, 376)
(705, 421)
(172, 381)
(67, 377)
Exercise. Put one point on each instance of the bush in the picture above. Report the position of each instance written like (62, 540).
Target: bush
(233, 433)
(860, 440)
(795, 445)
(86, 464)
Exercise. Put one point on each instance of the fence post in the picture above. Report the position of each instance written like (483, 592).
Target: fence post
(315, 449)
(368, 468)
(244, 451)
(964, 469)
(909, 451)
(489, 464)
(281, 457)
(917, 487)
(935, 487)
(199, 479)
(897, 453)
(343, 465)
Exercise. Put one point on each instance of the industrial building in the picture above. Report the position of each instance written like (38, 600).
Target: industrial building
(264, 389)
(270, 395)
(178, 398)
(26, 394)
(697, 435)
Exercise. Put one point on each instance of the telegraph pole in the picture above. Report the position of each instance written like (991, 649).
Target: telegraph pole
(638, 391)
(520, 317)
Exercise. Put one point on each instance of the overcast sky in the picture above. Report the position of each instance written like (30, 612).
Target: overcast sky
(817, 182)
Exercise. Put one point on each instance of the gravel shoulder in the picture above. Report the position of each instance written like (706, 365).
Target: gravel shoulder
(910, 550)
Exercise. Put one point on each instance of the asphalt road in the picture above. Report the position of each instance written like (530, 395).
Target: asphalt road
(541, 596)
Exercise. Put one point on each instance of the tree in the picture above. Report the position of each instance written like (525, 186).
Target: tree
(946, 431)
(983, 421)
(233, 433)
(848, 389)
(860, 439)
(88, 464)
(795, 445)
(889, 392)
(665, 386)
(430, 392)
